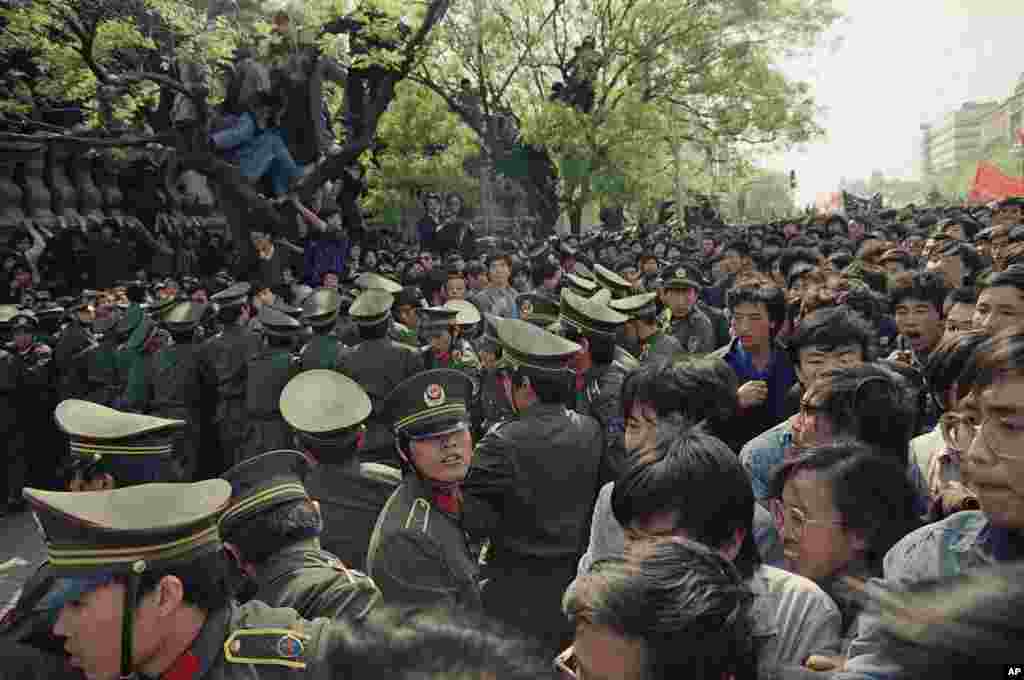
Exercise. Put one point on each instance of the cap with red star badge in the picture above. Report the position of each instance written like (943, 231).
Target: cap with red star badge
(430, 403)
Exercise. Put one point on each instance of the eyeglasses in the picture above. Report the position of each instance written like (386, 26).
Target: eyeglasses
(792, 521)
(960, 429)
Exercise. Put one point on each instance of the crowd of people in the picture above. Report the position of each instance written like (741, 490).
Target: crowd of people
(782, 451)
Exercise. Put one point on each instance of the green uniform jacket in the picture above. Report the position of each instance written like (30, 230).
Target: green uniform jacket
(694, 332)
(419, 554)
(314, 583)
(255, 641)
(321, 352)
(659, 347)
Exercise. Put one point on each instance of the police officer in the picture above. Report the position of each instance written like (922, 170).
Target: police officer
(419, 553)
(266, 375)
(689, 325)
(532, 485)
(378, 364)
(405, 315)
(272, 529)
(601, 367)
(141, 589)
(643, 327)
(223, 364)
(320, 311)
(437, 328)
(70, 354)
(173, 382)
(33, 366)
(327, 411)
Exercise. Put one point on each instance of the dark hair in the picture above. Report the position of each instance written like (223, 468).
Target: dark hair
(1000, 354)
(374, 331)
(793, 256)
(543, 268)
(872, 492)
(265, 533)
(698, 478)
(475, 268)
(441, 643)
(973, 623)
(702, 388)
(925, 286)
(494, 257)
(206, 581)
(868, 403)
(968, 256)
(947, 362)
(771, 297)
(965, 295)
(551, 388)
(688, 606)
(829, 328)
(1011, 277)
(602, 347)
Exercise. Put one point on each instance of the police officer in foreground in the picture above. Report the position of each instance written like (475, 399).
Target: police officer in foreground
(419, 553)
(320, 311)
(273, 531)
(532, 485)
(689, 324)
(142, 589)
(327, 412)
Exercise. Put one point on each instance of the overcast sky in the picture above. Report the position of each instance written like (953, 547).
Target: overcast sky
(891, 65)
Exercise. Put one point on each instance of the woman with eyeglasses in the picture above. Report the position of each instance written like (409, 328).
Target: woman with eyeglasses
(839, 508)
(992, 467)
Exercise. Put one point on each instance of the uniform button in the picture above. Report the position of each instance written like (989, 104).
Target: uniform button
(236, 646)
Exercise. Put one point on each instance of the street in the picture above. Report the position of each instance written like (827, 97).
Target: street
(21, 553)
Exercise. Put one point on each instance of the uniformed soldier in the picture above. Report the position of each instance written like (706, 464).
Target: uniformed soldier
(404, 329)
(327, 411)
(141, 590)
(619, 286)
(378, 364)
(12, 463)
(134, 331)
(532, 485)
(580, 285)
(601, 367)
(419, 553)
(320, 311)
(34, 397)
(103, 381)
(113, 449)
(223, 364)
(174, 384)
(70, 354)
(374, 281)
(266, 375)
(273, 531)
(643, 329)
(437, 328)
(688, 324)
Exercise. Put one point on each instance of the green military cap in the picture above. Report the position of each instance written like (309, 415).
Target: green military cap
(321, 307)
(97, 431)
(580, 285)
(590, 316)
(435, 318)
(612, 281)
(601, 297)
(371, 307)
(372, 281)
(636, 306)
(323, 406)
(159, 308)
(680, 279)
(131, 530)
(466, 312)
(277, 323)
(264, 482)
(537, 309)
(232, 296)
(7, 314)
(184, 316)
(581, 270)
(532, 347)
(430, 403)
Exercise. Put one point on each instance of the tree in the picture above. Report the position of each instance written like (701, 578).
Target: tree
(118, 58)
(660, 72)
